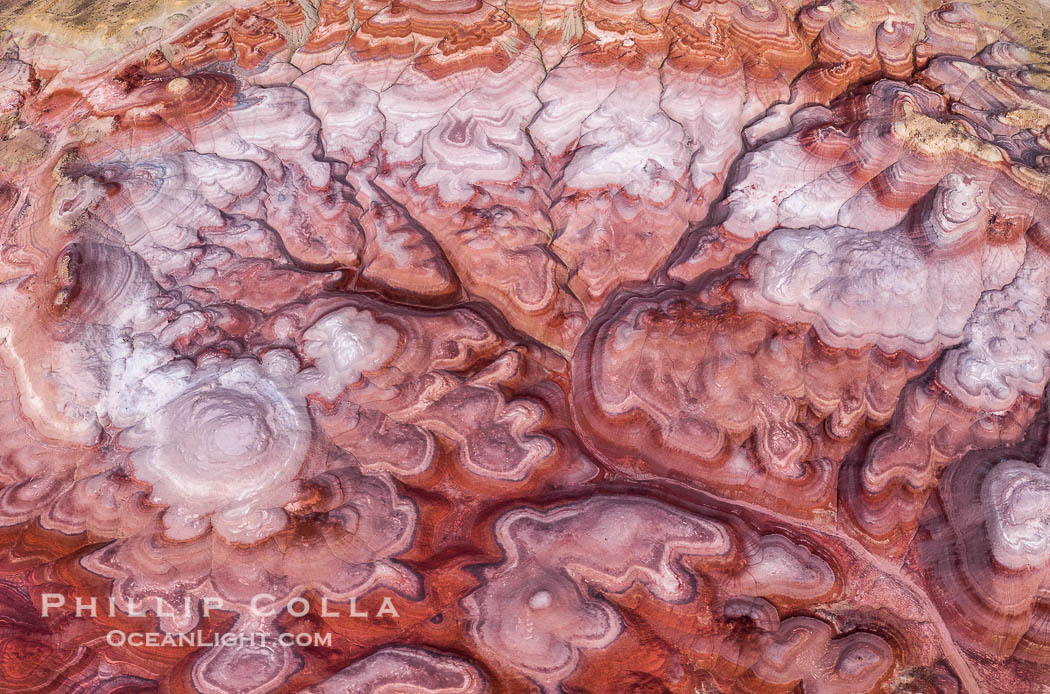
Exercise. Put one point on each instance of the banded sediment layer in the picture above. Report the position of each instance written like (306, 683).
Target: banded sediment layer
(535, 346)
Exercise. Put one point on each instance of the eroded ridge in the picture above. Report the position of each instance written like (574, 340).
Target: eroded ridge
(536, 346)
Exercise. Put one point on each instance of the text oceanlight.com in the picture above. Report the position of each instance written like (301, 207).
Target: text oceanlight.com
(200, 639)
(262, 606)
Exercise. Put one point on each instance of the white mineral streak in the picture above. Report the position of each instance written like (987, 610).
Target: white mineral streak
(351, 123)
(710, 113)
(272, 126)
(223, 440)
(859, 288)
(753, 202)
(251, 665)
(569, 94)
(1007, 341)
(344, 344)
(412, 107)
(1017, 496)
(169, 199)
(71, 404)
(397, 670)
(778, 566)
(629, 143)
(481, 138)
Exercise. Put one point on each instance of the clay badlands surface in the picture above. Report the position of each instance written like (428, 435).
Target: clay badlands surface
(534, 346)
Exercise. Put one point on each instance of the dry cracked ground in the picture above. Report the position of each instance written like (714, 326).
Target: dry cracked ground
(449, 347)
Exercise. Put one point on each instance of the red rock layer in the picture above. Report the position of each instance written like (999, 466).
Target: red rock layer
(536, 346)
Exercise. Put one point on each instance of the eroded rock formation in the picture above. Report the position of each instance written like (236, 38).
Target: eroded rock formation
(600, 347)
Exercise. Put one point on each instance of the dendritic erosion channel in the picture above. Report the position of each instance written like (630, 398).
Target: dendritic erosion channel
(532, 346)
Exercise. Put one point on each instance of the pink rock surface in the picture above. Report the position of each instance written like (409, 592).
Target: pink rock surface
(452, 347)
